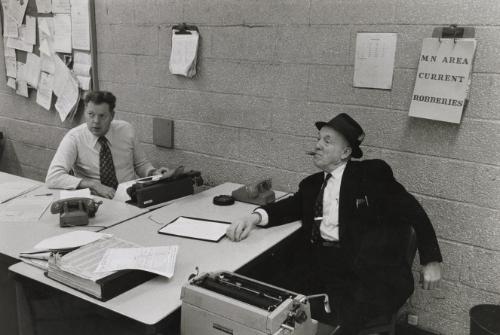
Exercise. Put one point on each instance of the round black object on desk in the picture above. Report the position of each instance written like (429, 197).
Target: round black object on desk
(485, 320)
(223, 200)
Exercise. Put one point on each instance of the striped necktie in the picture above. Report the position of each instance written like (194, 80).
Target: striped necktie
(318, 212)
(106, 166)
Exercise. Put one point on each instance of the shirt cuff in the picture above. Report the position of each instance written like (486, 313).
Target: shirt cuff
(264, 217)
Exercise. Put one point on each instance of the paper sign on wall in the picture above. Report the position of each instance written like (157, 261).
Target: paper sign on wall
(443, 79)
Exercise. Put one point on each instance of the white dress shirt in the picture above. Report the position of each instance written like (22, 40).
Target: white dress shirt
(79, 151)
(329, 228)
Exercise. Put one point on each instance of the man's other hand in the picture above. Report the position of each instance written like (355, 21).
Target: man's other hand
(241, 228)
(431, 273)
(96, 188)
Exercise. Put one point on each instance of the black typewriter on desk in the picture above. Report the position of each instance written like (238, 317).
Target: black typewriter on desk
(157, 189)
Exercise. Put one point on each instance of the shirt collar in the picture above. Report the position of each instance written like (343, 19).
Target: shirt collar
(108, 135)
(337, 172)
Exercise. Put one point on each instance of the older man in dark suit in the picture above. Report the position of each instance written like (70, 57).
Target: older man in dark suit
(355, 217)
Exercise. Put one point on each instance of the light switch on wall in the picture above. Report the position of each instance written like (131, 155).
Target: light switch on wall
(163, 132)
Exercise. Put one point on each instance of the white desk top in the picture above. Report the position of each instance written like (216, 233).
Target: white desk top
(154, 300)
(21, 236)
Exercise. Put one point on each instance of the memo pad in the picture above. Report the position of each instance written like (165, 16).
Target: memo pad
(201, 229)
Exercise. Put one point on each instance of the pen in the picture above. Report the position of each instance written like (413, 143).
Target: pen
(42, 195)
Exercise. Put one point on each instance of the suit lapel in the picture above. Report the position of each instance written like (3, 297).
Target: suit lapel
(348, 187)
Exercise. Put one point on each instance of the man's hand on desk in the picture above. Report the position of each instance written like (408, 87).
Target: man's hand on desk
(97, 188)
(431, 274)
(239, 229)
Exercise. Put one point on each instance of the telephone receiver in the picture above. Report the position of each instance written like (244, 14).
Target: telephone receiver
(258, 193)
(75, 211)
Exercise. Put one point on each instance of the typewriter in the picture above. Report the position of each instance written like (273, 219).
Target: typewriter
(155, 190)
(225, 302)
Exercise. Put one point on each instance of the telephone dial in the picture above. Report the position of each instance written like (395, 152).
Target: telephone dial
(75, 211)
(258, 193)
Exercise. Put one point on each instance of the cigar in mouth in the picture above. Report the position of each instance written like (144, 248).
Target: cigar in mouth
(311, 153)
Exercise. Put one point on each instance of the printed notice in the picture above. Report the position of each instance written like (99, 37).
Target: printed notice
(44, 92)
(80, 24)
(374, 60)
(443, 79)
(62, 34)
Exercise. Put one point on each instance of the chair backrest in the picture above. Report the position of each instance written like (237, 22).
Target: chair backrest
(411, 250)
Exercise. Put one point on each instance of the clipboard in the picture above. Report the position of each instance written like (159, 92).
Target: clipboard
(196, 228)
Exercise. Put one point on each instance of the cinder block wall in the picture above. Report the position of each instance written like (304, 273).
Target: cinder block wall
(267, 71)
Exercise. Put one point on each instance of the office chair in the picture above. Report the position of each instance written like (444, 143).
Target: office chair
(385, 324)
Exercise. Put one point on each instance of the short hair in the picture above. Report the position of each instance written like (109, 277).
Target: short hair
(99, 97)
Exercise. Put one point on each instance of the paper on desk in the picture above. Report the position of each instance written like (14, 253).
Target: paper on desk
(196, 228)
(81, 193)
(159, 260)
(27, 209)
(183, 54)
(71, 240)
(80, 34)
(62, 33)
(44, 92)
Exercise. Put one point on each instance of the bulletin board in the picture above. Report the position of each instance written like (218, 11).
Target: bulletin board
(50, 51)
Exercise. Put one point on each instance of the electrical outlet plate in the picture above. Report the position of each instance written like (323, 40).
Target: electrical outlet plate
(163, 132)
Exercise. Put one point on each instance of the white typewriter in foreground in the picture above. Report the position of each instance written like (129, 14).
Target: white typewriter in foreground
(226, 303)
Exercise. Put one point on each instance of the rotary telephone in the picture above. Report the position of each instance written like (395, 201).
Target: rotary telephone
(258, 193)
(75, 211)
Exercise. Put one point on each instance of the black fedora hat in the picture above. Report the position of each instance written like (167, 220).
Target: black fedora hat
(349, 128)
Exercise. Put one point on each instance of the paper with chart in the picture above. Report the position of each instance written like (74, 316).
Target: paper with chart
(159, 260)
(374, 60)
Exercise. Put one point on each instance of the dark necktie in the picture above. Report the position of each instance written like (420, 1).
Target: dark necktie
(106, 166)
(318, 212)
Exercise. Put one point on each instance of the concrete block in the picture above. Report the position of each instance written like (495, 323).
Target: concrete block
(143, 125)
(32, 155)
(165, 41)
(314, 44)
(243, 43)
(33, 172)
(197, 12)
(484, 100)
(147, 70)
(439, 323)
(206, 139)
(220, 109)
(486, 59)
(288, 153)
(236, 12)
(431, 12)
(403, 82)
(482, 270)
(32, 134)
(115, 12)
(433, 176)
(454, 257)
(134, 40)
(463, 222)
(477, 141)
(157, 11)
(117, 68)
(334, 84)
(290, 81)
(352, 12)
(486, 191)
(134, 98)
(105, 38)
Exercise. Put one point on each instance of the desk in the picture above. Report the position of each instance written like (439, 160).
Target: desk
(16, 237)
(154, 300)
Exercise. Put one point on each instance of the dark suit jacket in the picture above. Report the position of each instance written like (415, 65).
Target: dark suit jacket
(374, 214)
